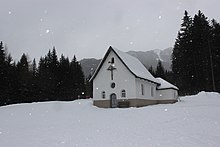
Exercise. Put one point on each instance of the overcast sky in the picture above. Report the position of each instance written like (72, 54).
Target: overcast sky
(87, 28)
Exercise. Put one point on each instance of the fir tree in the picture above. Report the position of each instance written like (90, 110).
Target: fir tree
(182, 56)
(151, 70)
(3, 74)
(191, 58)
(24, 77)
(160, 72)
(214, 51)
(200, 49)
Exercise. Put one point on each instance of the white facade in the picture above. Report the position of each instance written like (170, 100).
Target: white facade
(123, 80)
(145, 89)
(126, 77)
(166, 90)
(167, 94)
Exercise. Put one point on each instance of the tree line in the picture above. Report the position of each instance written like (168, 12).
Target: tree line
(195, 67)
(196, 55)
(53, 79)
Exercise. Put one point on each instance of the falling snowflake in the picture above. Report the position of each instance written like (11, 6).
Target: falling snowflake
(131, 43)
(160, 17)
(9, 12)
(47, 31)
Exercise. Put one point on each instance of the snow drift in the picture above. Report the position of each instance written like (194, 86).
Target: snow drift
(193, 122)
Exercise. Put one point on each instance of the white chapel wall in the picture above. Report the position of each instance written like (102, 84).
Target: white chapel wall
(121, 76)
(167, 94)
(148, 87)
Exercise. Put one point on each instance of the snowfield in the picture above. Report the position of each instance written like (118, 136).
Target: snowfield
(193, 122)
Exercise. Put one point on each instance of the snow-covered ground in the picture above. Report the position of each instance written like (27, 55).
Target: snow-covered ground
(193, 122)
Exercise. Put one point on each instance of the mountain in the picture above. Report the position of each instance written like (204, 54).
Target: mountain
(89, 66)
(148, 58)
(151, 58)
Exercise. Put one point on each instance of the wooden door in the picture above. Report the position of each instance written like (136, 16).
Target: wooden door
(113, 100)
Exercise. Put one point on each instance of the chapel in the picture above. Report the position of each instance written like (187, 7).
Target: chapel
(121, 80)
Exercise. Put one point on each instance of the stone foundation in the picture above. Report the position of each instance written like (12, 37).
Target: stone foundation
(124, 103)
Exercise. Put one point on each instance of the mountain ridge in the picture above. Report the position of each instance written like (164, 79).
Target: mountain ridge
(147, 58)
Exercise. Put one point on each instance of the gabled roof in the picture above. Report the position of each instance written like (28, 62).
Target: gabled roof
(165, 85)
(131, 63)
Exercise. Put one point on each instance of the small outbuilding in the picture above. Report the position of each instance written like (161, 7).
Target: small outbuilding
(166, 90)
(121, 80)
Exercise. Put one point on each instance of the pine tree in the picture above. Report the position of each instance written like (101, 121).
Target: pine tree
(3, 75)
(63, 78)
(46, 77)
(182, 56)
(34, 88)
(151, 70)
(160, 72)
(214, 51)
(34, 68)
(191, 55)
(42, 80)
(77, 78)
(2, 53)
(200, 46)
(24, 77)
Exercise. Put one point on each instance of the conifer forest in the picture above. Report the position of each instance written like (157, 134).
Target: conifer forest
(195, 68)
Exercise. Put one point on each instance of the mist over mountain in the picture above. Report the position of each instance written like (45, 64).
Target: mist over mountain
(148, 58)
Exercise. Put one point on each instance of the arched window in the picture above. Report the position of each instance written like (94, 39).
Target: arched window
(123, 93)
(103, 94)
(113, 60)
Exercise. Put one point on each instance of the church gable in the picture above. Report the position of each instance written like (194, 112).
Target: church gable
(132, 64)
(113, 72)
(111, 68)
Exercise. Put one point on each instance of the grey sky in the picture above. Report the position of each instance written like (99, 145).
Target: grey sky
(87, 28)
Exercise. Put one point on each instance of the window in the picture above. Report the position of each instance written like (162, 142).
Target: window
(142, 89)
(113, 85)
(123, 93)
(103, 94)
(113, 60)
(175, 94)
(152, 91)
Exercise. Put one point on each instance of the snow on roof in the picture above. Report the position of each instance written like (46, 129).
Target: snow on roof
(135, 66)
(165, 85)
(132, 64)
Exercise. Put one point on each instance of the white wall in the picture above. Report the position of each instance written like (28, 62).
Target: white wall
(167, 94)
(147, 89)
(122, 78)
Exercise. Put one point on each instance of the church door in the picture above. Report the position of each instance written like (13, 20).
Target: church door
(113, 100)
